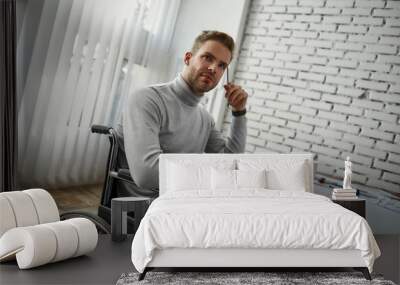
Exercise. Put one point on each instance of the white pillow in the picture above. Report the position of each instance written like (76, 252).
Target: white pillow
(183, 178)
(294, 179)
(226, 179)
(251, 178)
(223, 179)
(282, 174)
(193, 175)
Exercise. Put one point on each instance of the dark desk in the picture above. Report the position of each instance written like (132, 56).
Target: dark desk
(102, 266)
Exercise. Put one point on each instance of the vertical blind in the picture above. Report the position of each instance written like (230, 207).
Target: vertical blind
(86, 56)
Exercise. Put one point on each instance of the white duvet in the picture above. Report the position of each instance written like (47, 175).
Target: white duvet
(250, 219)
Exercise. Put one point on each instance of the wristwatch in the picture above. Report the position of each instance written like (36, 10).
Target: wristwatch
(239, 113)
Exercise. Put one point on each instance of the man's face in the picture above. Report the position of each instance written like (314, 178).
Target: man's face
(205, 68)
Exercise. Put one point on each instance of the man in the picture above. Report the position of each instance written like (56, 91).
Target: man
(167, 118)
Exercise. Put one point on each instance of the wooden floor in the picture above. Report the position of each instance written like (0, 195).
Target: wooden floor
(79, 197)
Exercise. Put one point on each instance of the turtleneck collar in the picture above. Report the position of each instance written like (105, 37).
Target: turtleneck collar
(184, 93)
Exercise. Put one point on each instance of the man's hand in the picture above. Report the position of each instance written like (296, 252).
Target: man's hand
(236, 96)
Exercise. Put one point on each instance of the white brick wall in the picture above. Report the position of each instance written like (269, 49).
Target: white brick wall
(324, 77)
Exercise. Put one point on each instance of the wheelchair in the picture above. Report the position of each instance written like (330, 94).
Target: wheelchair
(118, 180)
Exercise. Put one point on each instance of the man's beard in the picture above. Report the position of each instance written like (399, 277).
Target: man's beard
(196, 80)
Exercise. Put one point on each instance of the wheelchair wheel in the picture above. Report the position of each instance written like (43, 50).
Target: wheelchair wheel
(102, 226)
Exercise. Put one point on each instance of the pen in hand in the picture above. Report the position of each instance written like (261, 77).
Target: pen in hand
(227, 82)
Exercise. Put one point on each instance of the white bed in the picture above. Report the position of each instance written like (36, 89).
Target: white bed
(247, 210)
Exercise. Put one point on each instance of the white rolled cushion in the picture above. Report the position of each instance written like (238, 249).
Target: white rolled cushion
(23, 208)
(223, 179)
(46, 207)
(7, 218)
(33, 246)
(40, 244)
(251, 178)
(282, 174)
(26, 208)
(67, 240)
(87, 235)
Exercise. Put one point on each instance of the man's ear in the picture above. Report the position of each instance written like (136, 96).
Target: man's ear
(188, 56)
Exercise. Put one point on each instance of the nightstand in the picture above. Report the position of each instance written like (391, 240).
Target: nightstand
(120, 207)
(356, 205)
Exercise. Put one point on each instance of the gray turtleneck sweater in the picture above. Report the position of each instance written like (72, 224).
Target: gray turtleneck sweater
(167, 118)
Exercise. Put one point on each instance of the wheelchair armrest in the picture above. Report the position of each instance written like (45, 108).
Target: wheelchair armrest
(101, 129)
(125, 174)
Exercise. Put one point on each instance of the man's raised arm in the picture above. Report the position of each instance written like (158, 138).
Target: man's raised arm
(235, 142)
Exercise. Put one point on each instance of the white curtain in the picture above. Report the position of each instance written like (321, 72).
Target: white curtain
(86, 56)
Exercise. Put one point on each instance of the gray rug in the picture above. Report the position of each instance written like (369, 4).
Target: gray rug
(229, 278)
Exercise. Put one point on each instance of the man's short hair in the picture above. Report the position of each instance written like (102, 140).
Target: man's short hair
(223, 38)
